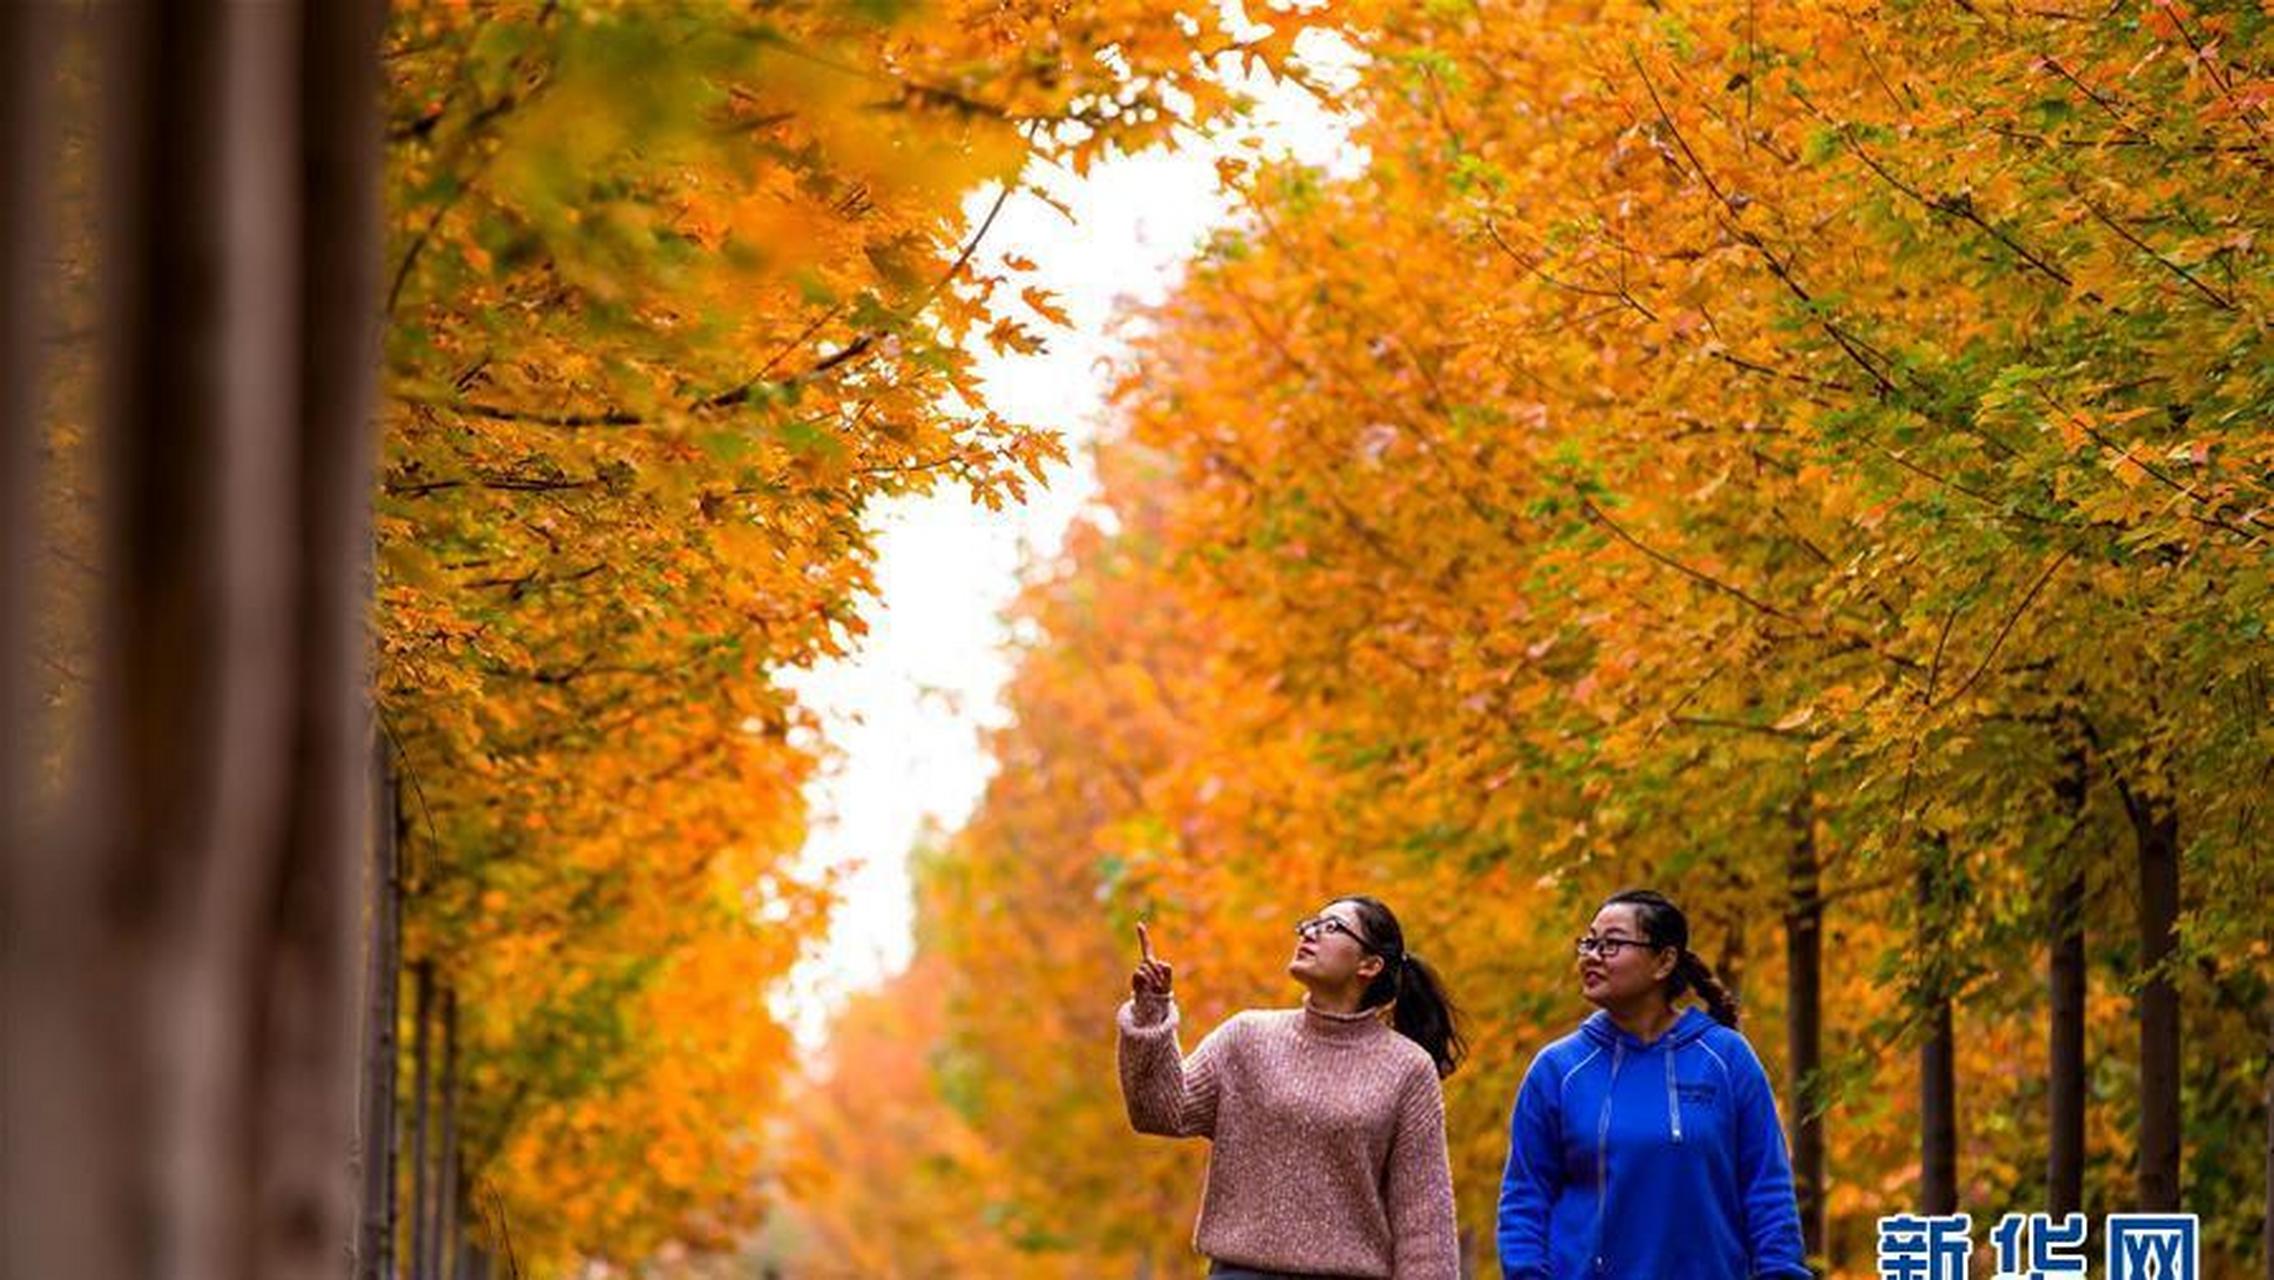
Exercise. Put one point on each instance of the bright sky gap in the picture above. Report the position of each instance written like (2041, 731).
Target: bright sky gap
(905, 714)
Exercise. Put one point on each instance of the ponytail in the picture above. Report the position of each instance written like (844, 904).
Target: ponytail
(1692, 973)
(1424, 1014)
(1420, 1009)
(1664, 925)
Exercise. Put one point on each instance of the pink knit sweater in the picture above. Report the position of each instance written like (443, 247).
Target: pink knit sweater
(1329, 1138)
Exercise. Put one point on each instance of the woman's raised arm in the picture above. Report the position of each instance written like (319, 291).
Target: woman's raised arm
(1166, 1092)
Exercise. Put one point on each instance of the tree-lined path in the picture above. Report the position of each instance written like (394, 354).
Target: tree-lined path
(1817, 460)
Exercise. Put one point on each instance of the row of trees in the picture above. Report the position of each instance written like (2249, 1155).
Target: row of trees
(676, 293)
(1817, 462)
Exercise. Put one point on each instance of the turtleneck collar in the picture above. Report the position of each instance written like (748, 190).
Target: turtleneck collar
(1343, 1026)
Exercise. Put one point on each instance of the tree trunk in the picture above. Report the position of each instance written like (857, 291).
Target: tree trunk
(422, 1013)
(191, 933)
(1938, 1115)
(27, 57)
(388, 1243)
(2065, 1092)
(2065, 1088)
(1804, 1019)
(1938, 1077)
(444, 1239)
(2266, 1222)
(2156, 828)
(47, 1095)
(308, 1072)
(382, 985)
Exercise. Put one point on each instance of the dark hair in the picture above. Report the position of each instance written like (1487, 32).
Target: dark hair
(1664, 925)
(1423, 1013)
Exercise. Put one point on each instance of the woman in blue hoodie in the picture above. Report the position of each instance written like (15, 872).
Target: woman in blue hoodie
(1645, 1145)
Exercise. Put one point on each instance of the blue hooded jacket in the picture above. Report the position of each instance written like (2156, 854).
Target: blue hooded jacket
(1660, 1161)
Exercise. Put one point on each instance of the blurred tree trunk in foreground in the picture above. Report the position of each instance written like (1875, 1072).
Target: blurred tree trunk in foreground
(182, 891)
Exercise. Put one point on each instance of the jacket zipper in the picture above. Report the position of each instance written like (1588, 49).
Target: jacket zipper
(1603, 1154)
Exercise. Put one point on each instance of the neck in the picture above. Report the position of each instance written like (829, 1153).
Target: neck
(1645, 1020)
(1339, 998)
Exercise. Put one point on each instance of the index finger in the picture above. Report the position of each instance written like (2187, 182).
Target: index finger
(1144, 942)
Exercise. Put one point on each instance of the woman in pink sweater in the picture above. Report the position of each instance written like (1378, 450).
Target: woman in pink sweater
(1327, 1121)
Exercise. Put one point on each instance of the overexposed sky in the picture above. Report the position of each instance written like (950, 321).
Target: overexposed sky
(905, 714)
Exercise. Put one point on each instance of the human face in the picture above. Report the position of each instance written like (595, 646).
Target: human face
(1332, 951)
(1622, 967)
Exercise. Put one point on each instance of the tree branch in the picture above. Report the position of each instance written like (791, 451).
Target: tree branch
(2006, 629)
(1707, 580)
(2216, 298)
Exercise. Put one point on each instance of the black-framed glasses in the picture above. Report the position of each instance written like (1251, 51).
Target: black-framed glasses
(1608, 947)
(1318, 927)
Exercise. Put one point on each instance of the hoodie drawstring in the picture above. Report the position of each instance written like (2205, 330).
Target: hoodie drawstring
(1673, 1098)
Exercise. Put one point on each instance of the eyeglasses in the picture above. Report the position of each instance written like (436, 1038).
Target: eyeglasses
(1317, 927)
(1608, 948)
